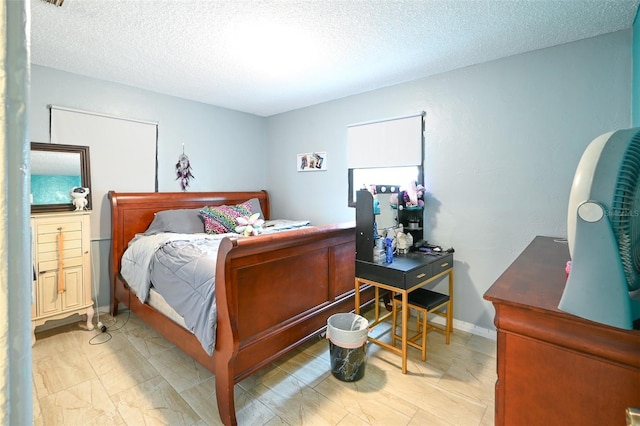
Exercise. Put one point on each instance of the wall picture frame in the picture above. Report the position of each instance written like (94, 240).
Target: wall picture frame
(311, 162)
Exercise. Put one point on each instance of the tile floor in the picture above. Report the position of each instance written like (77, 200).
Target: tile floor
(138, 378)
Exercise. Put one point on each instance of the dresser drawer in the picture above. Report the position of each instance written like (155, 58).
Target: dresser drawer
(52, 248)
(442, 264)
(416, 276)
(67, 254)
(57, 227)
(380, 273)
(52, 238)
(52, 265)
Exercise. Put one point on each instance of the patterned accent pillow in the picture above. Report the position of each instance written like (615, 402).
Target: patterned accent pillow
(223, 219)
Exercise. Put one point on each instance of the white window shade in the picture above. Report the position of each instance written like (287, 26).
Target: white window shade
(389, 143)
(122, 155)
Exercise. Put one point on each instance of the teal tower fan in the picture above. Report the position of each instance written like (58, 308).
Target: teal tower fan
(603, 232)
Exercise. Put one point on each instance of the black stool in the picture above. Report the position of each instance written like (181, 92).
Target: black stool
(426, 302)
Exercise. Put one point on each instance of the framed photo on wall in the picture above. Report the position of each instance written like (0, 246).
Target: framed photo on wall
(312, 162)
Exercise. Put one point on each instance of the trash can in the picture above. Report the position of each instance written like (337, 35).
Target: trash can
(347, 334)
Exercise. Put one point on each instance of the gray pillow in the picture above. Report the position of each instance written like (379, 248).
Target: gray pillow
(254, 206)
(180, 221)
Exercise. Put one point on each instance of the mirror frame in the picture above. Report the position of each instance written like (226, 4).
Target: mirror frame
(85, 174)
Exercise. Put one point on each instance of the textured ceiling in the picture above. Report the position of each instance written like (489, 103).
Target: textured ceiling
(268, 57)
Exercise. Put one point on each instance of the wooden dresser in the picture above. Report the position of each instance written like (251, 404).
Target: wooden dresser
(553, 367)
(62, 267)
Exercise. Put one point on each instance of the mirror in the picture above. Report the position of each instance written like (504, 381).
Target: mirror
(382, 182)
(381, 177)
(55, 170)
(386, 214)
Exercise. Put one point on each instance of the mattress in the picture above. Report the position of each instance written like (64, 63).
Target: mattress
(158, 303)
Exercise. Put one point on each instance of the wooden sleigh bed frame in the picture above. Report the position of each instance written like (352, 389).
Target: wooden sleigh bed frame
(273, 292)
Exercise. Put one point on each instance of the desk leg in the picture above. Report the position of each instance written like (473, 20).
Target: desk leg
(357, 297)
(450, 308)
(405, 320)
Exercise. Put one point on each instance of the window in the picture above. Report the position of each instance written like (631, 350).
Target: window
(384, 153)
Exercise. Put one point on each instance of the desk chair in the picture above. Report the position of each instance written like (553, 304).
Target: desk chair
(425, 302)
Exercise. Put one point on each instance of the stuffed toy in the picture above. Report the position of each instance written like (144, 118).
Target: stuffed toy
(251, 225)
(79, 197)
(415, 194)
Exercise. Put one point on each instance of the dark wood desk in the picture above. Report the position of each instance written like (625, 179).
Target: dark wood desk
(406, 273)
(553, 367)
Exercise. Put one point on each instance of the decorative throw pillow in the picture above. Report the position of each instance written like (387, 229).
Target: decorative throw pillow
(223, 219)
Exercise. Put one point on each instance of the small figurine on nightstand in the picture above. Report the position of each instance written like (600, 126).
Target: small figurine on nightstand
(79, 197)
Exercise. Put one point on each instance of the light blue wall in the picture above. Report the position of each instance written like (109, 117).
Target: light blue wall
(503, 140)
(216, 139)
(226, 148)
(635, 106)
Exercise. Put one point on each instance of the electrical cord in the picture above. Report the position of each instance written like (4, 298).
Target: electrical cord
(104, 330)
(104, 334)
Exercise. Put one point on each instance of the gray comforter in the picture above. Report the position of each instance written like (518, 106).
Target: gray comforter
(184, 273)
(182, 269)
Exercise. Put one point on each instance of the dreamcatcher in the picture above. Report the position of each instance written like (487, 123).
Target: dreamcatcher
(183, 170)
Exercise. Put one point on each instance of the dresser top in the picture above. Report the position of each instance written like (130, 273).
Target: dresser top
(536, 278)
(62, 214)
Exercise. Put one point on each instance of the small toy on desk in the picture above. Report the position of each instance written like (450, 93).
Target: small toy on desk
(389, 250)
(79, 197)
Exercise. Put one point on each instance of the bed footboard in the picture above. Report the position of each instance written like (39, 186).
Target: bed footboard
(279, 290)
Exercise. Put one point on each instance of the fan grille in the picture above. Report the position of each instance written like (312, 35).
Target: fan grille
(625, 212)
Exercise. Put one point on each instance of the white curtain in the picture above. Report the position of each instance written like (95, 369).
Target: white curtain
(122, 156)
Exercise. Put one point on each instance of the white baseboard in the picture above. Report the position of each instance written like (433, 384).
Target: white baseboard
(468, 327)
(458, 325)
(102, 309)
(475, 330)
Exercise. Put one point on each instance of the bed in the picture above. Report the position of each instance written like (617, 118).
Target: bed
(295, 280)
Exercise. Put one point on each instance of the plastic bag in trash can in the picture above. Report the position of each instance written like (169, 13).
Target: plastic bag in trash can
(347, 334)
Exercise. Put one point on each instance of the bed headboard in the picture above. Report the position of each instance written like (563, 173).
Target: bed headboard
(133, 212)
